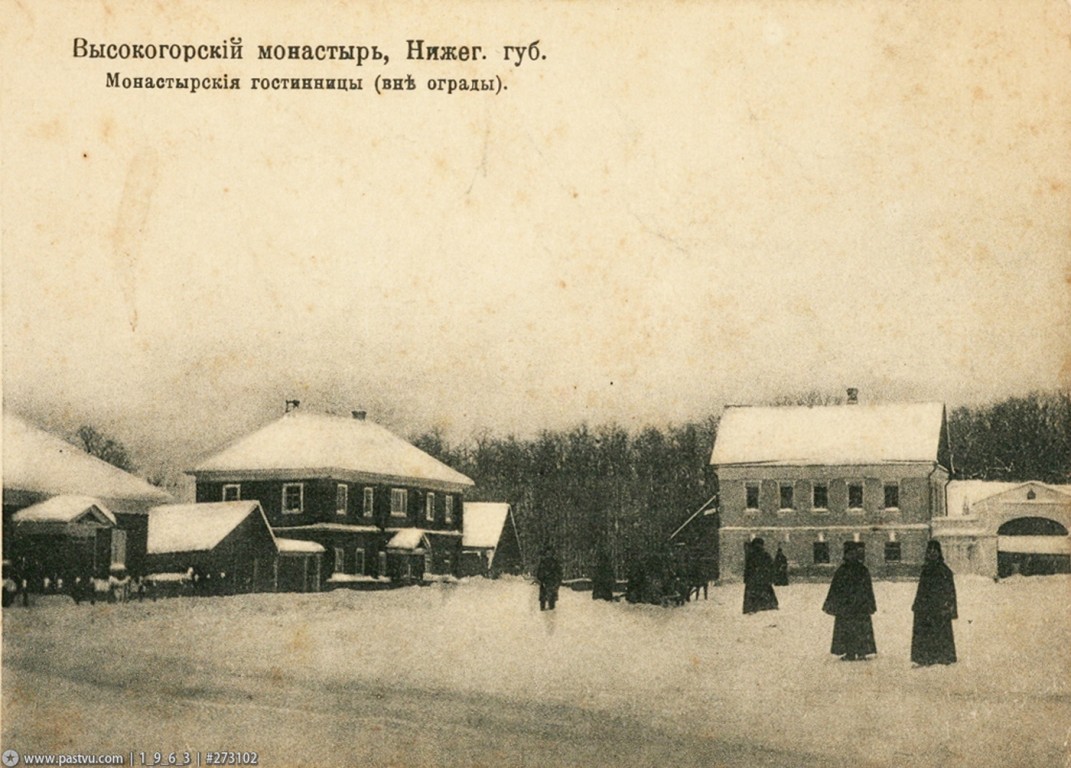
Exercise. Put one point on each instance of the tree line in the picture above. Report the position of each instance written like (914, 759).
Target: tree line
(583, 488)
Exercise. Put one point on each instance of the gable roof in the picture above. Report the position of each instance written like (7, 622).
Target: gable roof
(961, 495)
(41, 463)
(311, 443)
(483, 523)
(197, 527)
(408, 539)
(65, 509)
(829, 435)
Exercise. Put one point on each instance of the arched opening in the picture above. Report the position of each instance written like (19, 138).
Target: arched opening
(1032, 546)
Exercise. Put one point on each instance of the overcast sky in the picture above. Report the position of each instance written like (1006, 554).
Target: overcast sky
(682, 205)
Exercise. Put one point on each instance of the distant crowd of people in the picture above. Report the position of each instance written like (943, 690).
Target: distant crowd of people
(850, 599)
(119, 587)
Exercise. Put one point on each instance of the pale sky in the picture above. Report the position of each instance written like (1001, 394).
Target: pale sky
(683, 205)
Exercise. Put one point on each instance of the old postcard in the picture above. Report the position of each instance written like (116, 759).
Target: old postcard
(528, 384)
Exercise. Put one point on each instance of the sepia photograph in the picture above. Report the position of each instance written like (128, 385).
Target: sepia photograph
(536, 384)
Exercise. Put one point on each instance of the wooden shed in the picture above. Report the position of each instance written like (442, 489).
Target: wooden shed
(490, 544)
(228, 545)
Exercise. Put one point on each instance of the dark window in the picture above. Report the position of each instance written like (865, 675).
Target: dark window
(293, 498)
(342, 498)
(855, 495)
(752, 496)
(821, 496)
(892, 496)
(892, 551)
(232, 492)
(821, 552)
(369, 500)
(786, 497)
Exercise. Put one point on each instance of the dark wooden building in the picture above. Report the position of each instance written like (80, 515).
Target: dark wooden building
(228, 546)
(490, 545)
(347, 484)
(39, 466)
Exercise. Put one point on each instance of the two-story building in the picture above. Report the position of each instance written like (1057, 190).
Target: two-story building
(809, 478)
(348, 484)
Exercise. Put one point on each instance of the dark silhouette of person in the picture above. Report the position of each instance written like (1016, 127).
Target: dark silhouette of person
(780, 569)
(758, 579)
(602, 580)
(851, 601)
(549, 576)
(932, 641)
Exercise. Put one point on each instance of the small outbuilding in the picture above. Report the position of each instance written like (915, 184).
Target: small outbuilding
(63, 538)
(299, 565)
(227, 545)
(490, 544)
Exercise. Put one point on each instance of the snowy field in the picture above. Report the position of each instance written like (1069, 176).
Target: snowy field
(473, 674)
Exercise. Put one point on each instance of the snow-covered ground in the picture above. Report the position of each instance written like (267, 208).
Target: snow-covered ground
(474, 674)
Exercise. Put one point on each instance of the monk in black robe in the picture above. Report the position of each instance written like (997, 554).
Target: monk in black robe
(780, 569)
(934, 608)
(758, 579)
(602, 580)
(851, 601)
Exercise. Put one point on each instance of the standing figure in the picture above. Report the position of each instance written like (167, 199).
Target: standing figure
(758, 579)
(602, 580)
(780, 569)
(851, 601)
(934, 608)
(549, 576)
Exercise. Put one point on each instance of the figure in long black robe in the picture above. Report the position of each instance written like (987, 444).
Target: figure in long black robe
(780, 563)
(932, 641)
(602, 580)
(851, 601)
(758, 579)
(549, 576)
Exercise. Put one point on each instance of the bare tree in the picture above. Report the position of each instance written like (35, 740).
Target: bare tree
(105, 448)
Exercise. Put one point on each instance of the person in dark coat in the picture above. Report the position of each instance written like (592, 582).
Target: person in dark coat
(934, 608)
(780, 563)
(602, 580)
(549, 576)
(851, 600)
(758, 579)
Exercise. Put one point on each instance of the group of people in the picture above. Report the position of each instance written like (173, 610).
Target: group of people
(851, 602)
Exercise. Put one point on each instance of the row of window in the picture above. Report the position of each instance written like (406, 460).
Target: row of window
(293, 500)
(820, 496)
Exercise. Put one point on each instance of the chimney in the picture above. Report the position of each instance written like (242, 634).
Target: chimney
(359, 415)
(853, 395)
(292, 405)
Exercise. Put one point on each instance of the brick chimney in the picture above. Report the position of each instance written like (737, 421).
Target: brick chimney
(292, 405)
(853, 395)
(359, 415)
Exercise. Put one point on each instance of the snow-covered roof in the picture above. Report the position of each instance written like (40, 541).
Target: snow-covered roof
(483, 523)
(65, 509)
(829, 435)
(297, 546)
(196, 527)
(38, 462)
(407, 538)
(303, 443)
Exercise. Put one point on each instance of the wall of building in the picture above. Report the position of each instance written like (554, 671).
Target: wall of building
(799, 528)
(320, 503)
